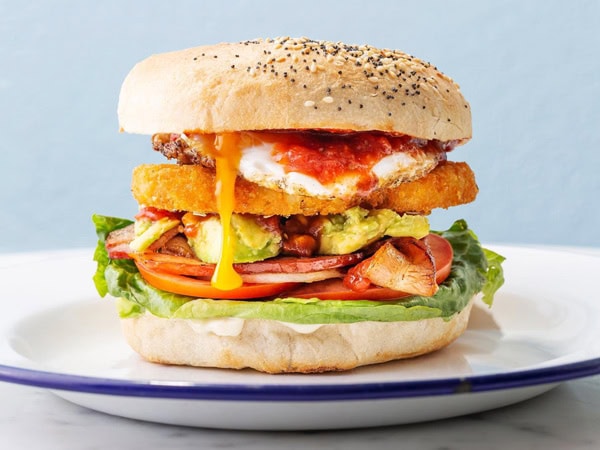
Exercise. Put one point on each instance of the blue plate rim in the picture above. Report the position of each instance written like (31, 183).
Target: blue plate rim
(300, 392)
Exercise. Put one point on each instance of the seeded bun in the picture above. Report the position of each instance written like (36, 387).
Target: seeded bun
(291, 84)
(287, 83)
(273, 347)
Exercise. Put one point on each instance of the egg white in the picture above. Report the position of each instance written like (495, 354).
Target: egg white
(257, 165)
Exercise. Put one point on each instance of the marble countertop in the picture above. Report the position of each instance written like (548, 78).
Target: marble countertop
(567, 417)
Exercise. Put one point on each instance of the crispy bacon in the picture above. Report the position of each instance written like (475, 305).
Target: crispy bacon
(165, 237)
(282, 265)
(171, 243)
(117, 242)
(178, 246)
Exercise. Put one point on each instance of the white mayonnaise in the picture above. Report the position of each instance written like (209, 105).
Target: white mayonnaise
(233, 326)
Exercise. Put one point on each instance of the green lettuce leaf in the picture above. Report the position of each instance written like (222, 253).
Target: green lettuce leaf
(104, 225)
(494, 275)
(474, 270)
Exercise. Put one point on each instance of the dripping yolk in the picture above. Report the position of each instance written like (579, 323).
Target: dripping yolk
(227, 156)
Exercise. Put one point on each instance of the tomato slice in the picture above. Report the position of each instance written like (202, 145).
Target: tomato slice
(442, 254)
(335, 289)
(194, 287)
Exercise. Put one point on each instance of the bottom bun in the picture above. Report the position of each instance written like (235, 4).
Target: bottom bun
(276, 347)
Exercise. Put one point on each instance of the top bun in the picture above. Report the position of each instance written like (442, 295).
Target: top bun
(288, 83)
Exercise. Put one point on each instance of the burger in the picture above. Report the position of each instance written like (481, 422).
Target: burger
(289, 232)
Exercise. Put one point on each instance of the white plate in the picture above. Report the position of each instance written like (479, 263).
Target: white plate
(543, 329)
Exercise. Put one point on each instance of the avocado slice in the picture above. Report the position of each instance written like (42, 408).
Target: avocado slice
(252, 241)
(147, 231)
(357, 227)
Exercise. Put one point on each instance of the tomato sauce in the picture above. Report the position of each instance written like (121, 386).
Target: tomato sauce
(155, 214)
(329, 156)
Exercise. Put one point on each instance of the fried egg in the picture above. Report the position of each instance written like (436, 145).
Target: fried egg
(258, 166)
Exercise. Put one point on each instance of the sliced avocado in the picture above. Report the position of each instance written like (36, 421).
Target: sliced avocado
(147, 231)
(350, 231)
(252, 242)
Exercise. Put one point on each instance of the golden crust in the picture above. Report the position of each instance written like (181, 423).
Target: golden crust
(191, 188)
(271, 346)
(449, 184)
(288, 83)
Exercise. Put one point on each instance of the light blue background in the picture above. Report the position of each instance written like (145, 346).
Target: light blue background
(531, 71)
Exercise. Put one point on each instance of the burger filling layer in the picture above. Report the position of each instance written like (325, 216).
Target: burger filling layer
(359, 249)
(143, 282)
(358, 254)
(316, 163)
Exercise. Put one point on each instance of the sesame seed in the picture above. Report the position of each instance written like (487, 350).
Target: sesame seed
(327, 99)
(382, 67)
(309, 103)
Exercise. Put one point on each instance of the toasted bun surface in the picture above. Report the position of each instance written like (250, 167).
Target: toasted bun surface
(271, 346)
(191, 188)
(290, 83)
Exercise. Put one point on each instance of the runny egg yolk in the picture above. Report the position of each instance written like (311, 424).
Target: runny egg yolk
(227, 156)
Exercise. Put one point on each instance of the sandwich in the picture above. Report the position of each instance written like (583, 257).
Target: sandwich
(287, 230)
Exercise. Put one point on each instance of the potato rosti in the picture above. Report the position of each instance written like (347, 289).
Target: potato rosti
(192, 188)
